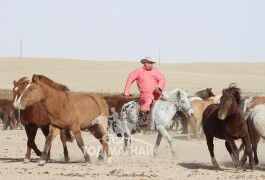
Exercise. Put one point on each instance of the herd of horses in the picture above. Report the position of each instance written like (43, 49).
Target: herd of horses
(43, 103)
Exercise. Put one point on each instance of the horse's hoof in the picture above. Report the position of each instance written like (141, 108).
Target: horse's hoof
(242, 163)
(100, 161)
(218, 168)
(42, 162)
(155, 153)
(66, 159)
(87, 164)
(109, 160)
(238, 168)
(252, 167)
(26, 160)
(175, 156)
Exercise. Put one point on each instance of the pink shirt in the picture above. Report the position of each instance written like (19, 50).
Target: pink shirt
(146, 81)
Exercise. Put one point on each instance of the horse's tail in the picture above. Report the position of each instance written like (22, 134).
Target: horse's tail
(69, 136)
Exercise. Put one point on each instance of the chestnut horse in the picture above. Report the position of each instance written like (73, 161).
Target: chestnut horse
(68, 110)
(225, 121)
(34, 117)
(117, 101)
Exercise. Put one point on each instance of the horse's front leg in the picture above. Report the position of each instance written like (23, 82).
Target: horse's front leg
(45, 153)
(77, 133)
(234, 150)
(31, 133)
(247, 152)
(127, 136)
(161, 129)
(63, 137)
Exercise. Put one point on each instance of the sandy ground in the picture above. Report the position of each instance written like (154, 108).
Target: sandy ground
(193, 161)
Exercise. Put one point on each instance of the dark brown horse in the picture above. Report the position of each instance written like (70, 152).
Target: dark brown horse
(68, 110)
(225, 121)
(34, 117)
(205, 94)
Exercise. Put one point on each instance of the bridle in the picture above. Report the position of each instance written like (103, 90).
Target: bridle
(178, 107)
(17, 99)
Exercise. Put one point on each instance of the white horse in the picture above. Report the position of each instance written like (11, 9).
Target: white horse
(256, 127)
(162, 113)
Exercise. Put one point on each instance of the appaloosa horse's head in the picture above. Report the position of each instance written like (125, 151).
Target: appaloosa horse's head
(180, 99)
(229, 102)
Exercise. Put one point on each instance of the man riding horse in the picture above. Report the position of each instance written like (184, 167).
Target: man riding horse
(150, 83)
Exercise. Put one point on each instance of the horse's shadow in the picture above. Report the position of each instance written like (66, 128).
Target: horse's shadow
(226, 166)
(185, 137)
(34, 160)
(10, 160)
(196, 166)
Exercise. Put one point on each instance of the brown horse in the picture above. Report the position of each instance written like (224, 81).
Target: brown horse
(7, 114)
(34, 117)
(68, 110)
(225, 121)
(205, 94)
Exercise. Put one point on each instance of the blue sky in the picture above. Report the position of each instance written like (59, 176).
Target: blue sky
(128, 30)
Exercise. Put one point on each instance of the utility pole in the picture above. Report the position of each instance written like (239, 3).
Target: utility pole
(20, 48)
(159, 56)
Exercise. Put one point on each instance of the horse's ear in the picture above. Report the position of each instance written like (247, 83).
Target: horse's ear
(35, 79)
(178, 94)
(223, 91)
(14, 82)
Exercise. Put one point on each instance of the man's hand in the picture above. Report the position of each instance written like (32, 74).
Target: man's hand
(158, 90)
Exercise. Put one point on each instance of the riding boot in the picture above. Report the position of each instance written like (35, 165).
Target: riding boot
(143, 122)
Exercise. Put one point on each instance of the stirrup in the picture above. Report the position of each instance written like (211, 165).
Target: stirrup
(143, 123)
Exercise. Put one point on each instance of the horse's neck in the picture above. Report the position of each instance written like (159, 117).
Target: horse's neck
(234, 113)
(53, 99)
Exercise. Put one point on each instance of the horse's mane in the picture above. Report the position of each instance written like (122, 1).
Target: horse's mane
(235, 91)
(23, 80)
(184, 93)
(166, 95)
(51, 83)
